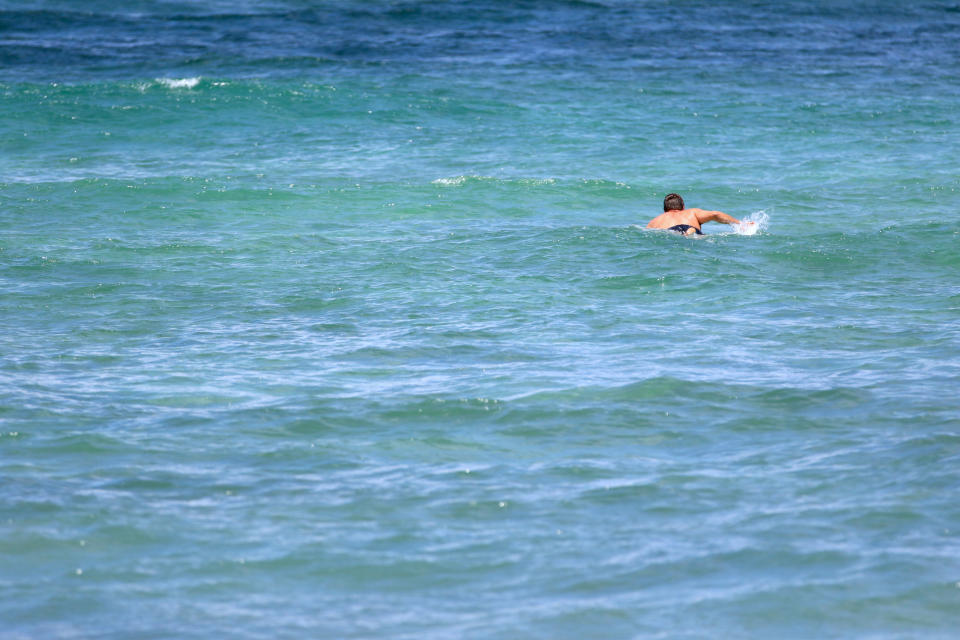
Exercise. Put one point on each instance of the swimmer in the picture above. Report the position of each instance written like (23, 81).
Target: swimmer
(686, 222)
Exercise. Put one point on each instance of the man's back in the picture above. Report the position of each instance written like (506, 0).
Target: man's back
(669, 219)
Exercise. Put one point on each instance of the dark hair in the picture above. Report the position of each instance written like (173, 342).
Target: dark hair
(673, 202)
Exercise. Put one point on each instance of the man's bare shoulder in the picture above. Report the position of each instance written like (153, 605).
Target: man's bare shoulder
(669, 219)
(663, 221)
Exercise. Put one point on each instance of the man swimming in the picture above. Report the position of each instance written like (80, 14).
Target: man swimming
(687, 222)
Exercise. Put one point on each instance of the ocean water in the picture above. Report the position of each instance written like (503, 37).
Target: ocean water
(340, 320)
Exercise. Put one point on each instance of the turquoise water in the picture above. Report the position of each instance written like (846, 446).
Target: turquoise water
(341, 320)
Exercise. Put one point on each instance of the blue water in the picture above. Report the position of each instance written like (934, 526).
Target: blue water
(341, 320)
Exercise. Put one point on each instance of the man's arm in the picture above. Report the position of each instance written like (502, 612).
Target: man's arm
(714, 216)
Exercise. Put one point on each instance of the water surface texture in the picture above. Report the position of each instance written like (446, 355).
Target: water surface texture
(340, 320)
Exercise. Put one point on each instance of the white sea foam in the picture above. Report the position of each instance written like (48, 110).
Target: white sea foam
(179, 83)
(451, 182)
(760, 220)
(457, 181)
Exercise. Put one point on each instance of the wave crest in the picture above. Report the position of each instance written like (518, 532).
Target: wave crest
(179, 83)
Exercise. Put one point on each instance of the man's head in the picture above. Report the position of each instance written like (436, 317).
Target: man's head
(673, 202)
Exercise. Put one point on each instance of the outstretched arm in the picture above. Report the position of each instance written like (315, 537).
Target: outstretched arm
(714, 216)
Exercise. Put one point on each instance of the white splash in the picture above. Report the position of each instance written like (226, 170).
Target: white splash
(752, 224)
(179, 83)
